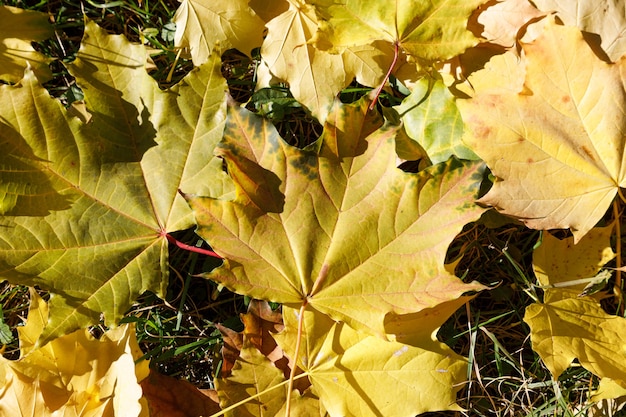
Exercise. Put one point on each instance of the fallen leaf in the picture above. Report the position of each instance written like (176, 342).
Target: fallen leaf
(565, 326)
(432, 119)
(504, 20)
(315, 77)
(569, 329)
(171, 397)
(606, 19)
(348, 229)
(255, 378)
(556, 262)
(105, 194)
(428, 31)
(556, 147)
(74, 375)
(359, 375)
(21, 27)
(214, 26)
(232, 344)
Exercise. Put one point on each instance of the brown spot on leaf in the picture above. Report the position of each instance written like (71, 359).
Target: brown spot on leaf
(566, 99)
(482, 131)
(588, 152)
(530, 160)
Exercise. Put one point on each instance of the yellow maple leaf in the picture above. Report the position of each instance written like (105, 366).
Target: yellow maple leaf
(74, 375)
(503, 21)
(570, 329)
(556, 147)
(19, 28)
(356, 375)
(205, 26)
(564, 269)
(566, 326)
(315, 77)
(606, 18)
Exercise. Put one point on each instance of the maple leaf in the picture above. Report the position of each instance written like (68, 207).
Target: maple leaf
(74, 375)
(502, 74)
(566, 326)
(254, 377)
(315, 77)
(504, 21)
(555, 147)
(570, 329)
(606, 19)
(94, 230)
(207, 26)
(171, 397)
(429, 31)
(340, 229)
(356, 374)
(260, 368)
(562, 267)
(432, 119)
(20, 28)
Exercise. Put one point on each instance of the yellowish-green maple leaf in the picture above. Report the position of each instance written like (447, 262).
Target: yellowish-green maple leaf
(566, 326)
(207, 26)
(606, 18)
(557, 146)
(74, 375)
(337, 226)
(19, 28)
(432, 119)
(94, 230)
(427, 31)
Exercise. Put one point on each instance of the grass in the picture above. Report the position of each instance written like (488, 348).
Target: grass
(178, 334)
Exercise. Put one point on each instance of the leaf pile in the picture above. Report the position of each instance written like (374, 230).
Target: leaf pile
(351, 246)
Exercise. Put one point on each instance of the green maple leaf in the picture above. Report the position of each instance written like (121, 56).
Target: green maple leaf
(431, 118)
(337, 227)
(104, 193)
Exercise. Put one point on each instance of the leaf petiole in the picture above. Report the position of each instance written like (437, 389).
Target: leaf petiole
(189, 248)
(379, 90)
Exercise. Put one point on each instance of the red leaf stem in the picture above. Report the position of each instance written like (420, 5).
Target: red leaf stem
(190, 248)
(379, 90)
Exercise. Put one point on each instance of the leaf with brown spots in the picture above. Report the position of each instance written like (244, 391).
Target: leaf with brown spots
(556, 147)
